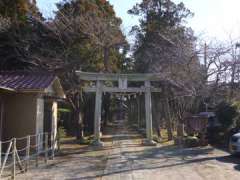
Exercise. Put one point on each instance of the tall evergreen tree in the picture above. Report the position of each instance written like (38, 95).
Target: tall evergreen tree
(96, 22)
(18, 10)
(77, 38)
(166, 46)
(20, 19)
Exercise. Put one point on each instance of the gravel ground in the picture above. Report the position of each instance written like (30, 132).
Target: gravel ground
(123, 157)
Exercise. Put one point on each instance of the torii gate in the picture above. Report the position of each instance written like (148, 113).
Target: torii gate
(122, 80)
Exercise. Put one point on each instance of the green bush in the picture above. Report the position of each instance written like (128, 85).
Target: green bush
(191, 141)
(61, 132)
(226, 114)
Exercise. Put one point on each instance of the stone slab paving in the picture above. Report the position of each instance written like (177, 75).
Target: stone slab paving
(124, 158)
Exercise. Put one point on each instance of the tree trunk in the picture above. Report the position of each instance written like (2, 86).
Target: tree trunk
(180, 129)
(106, 106)
(168, 121)
(167, 114)
(159, 131)
(106, 59)
(80, 126)
(78, 117)
(157, 115)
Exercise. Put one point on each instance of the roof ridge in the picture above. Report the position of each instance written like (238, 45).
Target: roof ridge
(27, 72)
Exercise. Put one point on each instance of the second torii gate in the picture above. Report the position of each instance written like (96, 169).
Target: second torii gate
(122, 80)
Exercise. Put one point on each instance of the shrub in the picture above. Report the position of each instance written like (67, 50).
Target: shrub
(226, 113)
(191, 141)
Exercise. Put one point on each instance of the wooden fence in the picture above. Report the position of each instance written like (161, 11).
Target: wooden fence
(17, 154)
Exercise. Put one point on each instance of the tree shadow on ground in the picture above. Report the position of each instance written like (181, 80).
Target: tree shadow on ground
(153, 158)
(157, 158)
(168, 151)
(237, 167)
(232, 159)
(94, 160)
(163, 153)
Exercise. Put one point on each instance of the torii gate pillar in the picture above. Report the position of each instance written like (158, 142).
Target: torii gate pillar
(98, 115)
(148, 112)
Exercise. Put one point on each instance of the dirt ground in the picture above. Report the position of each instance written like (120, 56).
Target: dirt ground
(123, 157)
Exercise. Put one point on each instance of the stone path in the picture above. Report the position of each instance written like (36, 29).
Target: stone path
(124, 158)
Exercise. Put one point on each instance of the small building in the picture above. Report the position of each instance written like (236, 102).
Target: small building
(28, 103)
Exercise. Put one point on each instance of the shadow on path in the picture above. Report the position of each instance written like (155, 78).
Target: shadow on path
(124, 154)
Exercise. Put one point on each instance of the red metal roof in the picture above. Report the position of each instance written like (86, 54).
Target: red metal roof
(26, 80)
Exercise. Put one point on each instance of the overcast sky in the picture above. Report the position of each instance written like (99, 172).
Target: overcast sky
(213, 18)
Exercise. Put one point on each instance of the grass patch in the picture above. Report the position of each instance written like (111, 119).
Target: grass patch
(164, 137)
(85, 141)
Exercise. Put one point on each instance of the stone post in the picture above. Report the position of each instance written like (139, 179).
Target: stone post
(148, 111)
(97, 115)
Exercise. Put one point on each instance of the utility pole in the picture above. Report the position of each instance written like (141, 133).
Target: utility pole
(205, 55)
(205, 61)
(234, 66)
